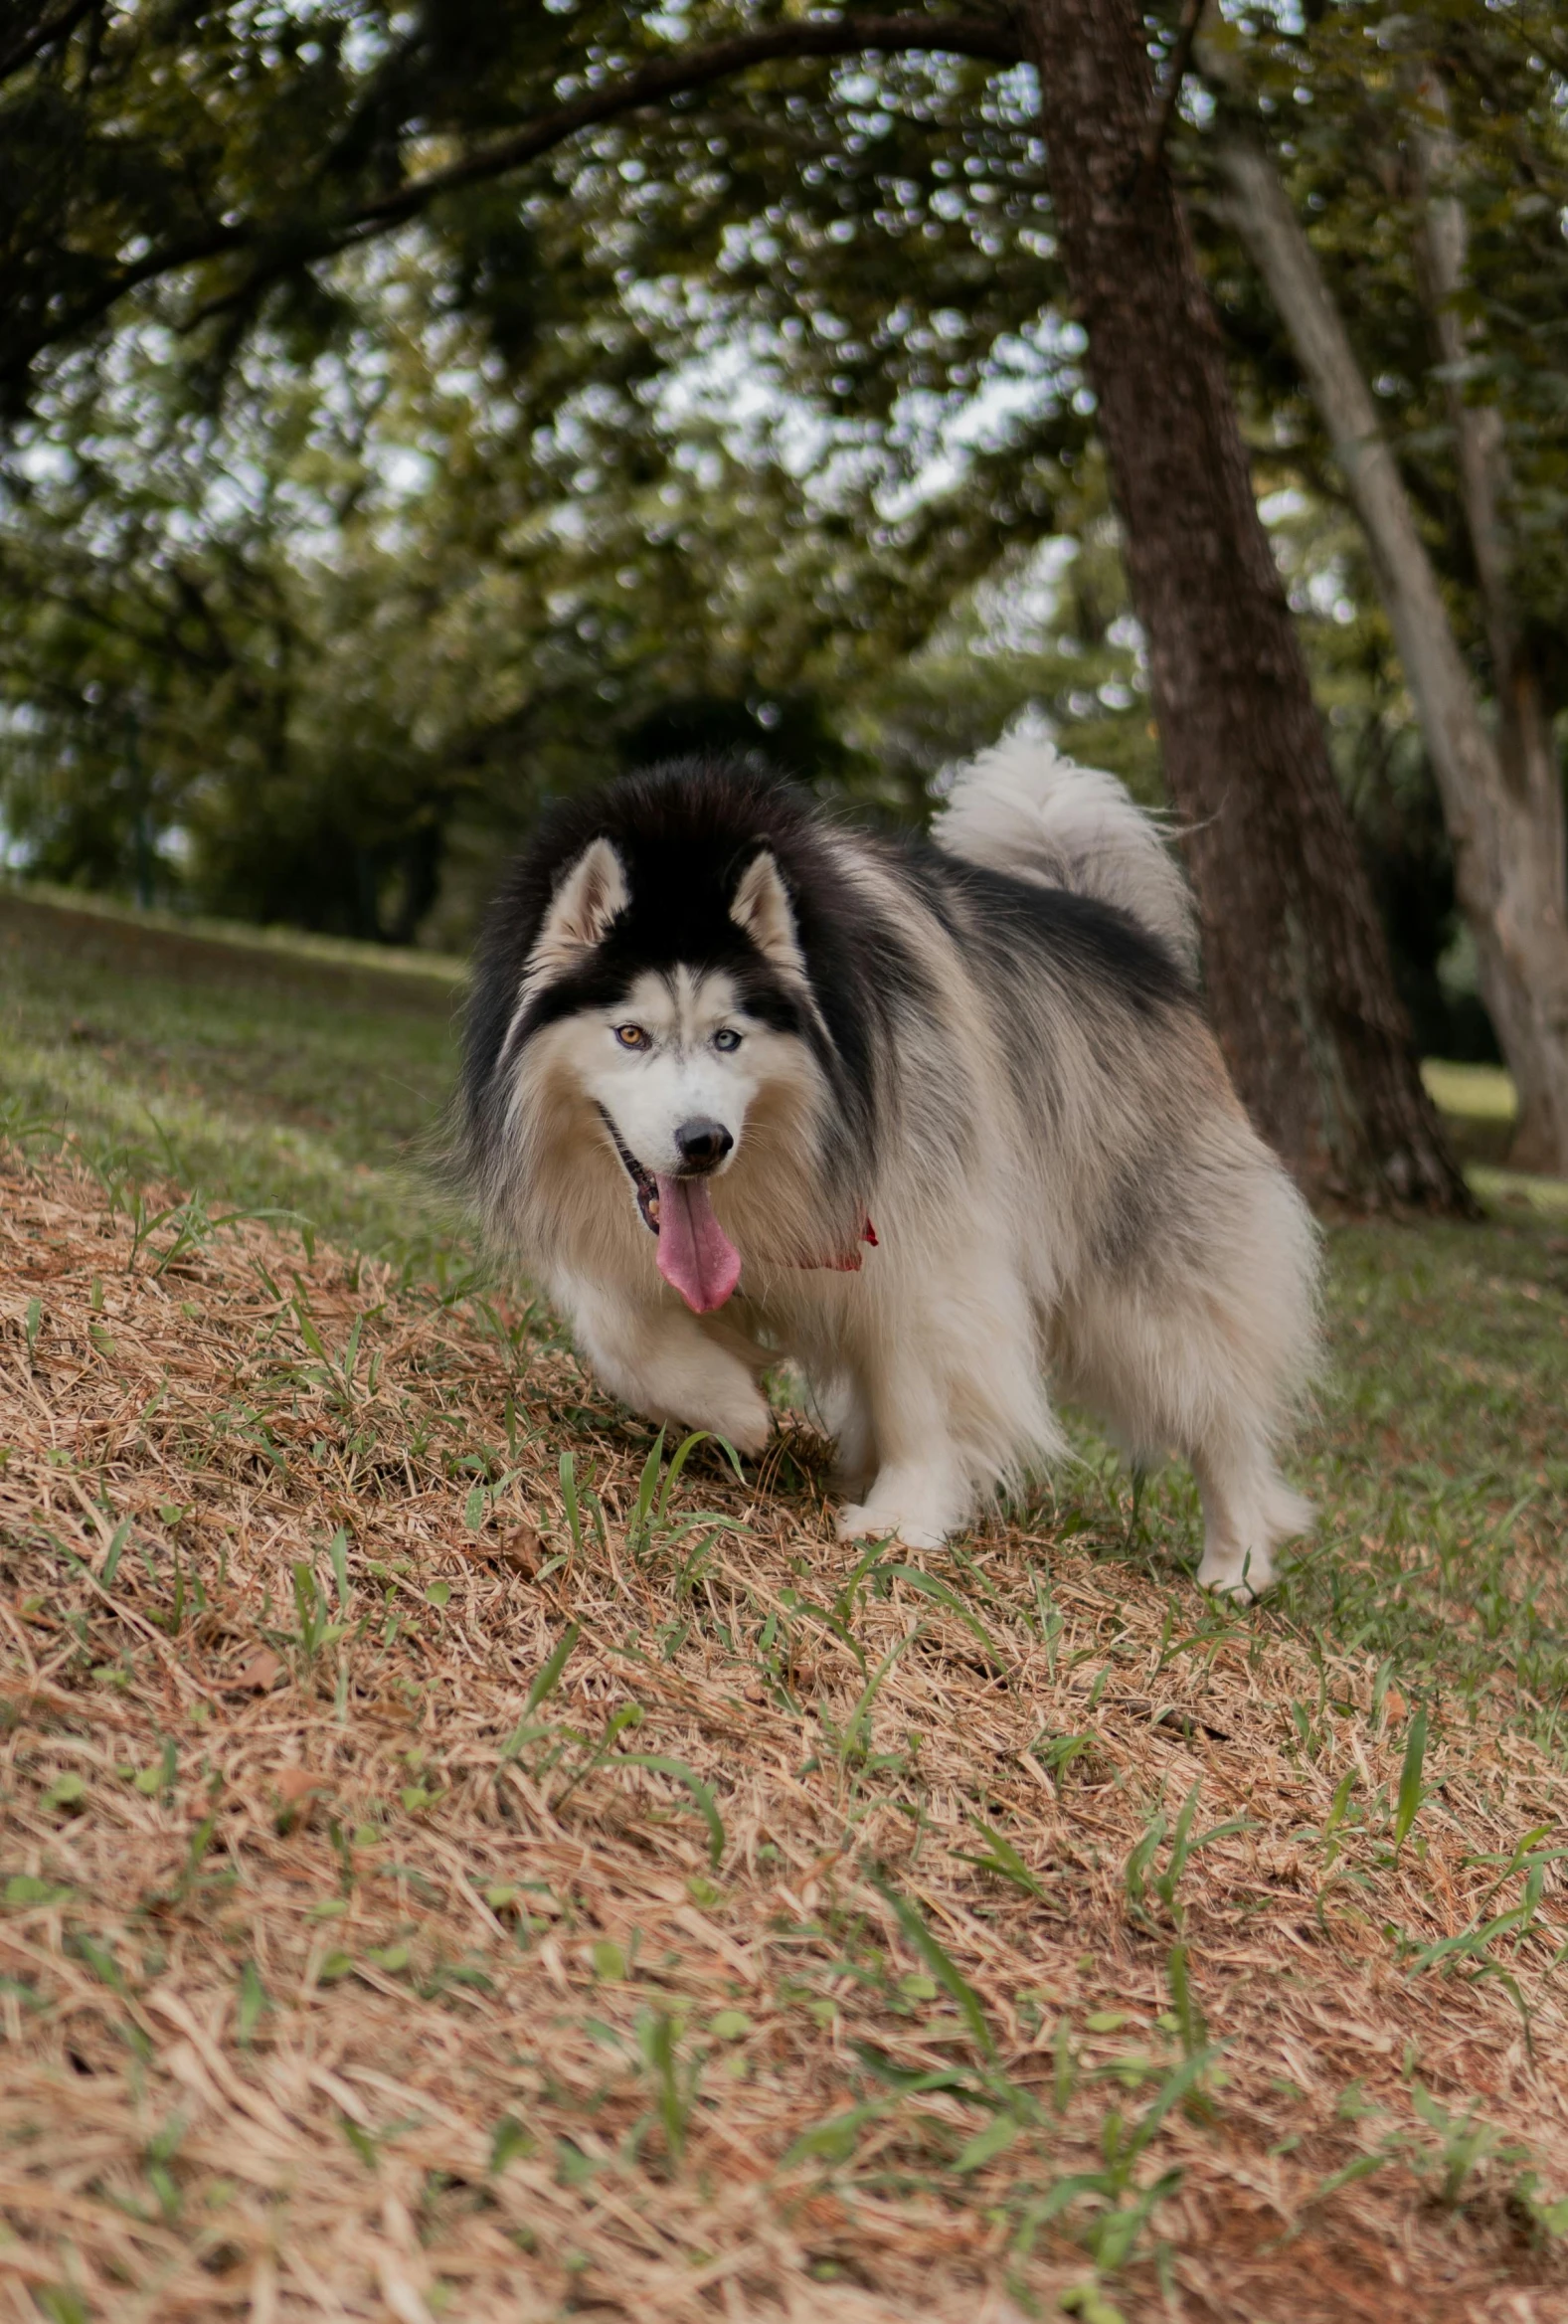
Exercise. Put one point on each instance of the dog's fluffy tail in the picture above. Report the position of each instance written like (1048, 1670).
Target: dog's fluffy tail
(1021, 808)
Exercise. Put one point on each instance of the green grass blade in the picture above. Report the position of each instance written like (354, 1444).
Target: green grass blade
(1004, 1859)
(337, 1551)
(945, 1971)
(702, 1796)
(545, 1680)
(931, 1587)
(868, 1693)
(113, 1554)
(1409, 1802)
(574, 1514)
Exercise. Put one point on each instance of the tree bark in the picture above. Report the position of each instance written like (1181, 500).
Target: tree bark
(1297, 968)
(1501, 799)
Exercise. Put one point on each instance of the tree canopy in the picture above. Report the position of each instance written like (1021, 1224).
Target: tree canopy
(403, 424)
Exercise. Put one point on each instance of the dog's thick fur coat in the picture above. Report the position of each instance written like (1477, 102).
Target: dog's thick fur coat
(959, 1127)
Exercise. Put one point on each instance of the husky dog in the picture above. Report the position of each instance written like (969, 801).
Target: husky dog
(940, 1122)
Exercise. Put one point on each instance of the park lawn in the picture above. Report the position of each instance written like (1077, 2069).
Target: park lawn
(452, 1863)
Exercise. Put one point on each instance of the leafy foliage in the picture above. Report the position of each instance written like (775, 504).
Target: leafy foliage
(346, 517)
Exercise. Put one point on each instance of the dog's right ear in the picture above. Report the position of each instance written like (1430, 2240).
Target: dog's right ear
(588, 898)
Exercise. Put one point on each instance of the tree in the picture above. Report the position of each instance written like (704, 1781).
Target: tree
(1295, 960)
(1299, 979)
(1502, 790)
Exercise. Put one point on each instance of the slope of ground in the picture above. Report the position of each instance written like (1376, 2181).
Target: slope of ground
(446, 1862)
(455, 1859)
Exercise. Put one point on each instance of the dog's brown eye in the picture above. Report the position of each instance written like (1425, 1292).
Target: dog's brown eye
(632, 1037)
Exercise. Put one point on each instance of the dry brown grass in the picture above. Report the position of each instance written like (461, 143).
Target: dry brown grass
(336, 1982)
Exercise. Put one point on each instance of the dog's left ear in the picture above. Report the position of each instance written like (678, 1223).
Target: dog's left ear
(763, 911)
(588, 897)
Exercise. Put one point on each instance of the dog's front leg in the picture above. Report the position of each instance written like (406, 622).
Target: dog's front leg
(921, 1493)
(658, 1360)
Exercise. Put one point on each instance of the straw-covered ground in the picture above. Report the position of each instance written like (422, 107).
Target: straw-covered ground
(459, 1859)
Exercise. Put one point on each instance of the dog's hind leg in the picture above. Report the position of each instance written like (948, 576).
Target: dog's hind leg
(661, 1361)
(1203, 1340)
(1195, 1374)
(1159, 1390)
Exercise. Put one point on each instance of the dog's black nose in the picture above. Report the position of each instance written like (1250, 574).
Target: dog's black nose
(702, 1144)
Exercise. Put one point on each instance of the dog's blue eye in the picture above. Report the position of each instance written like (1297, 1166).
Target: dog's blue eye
(727, 1039)
(632, 1037)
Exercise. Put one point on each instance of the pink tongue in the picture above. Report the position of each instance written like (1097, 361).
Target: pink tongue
(695, 1253)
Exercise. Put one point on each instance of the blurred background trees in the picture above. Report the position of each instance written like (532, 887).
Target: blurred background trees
(332, 540)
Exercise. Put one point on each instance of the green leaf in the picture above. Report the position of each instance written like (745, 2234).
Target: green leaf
(861, 1713)
(510, 2140)
(60, 2304)
(1552, 2217)
(65, 1792)
(24, 1890)
(1362, 2167)
(101, 1960)
(834, 2141)
(1086, 2303)
(656, 2037)
(638, 1531)
(1172, 2091)
(988, 2143)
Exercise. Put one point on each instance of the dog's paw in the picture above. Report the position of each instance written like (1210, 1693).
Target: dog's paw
(742, 1420)
(862, 1521)
(1232, 1573)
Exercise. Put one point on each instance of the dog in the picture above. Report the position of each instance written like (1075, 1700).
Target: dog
(940, 1120)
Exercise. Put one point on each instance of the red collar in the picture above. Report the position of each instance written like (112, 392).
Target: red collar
(845, 1262)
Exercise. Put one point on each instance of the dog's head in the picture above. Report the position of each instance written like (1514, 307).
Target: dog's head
(661, 1008)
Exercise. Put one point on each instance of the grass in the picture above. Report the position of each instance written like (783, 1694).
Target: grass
(299, 1094)
(458, 1857)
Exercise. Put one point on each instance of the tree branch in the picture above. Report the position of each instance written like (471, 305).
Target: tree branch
(991, 41)
(693, 69)
(56, 24)
(1165, 111)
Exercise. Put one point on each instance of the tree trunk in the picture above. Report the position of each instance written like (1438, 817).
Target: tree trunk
(1530, 848)
(1504, 822)
(1296, 964)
